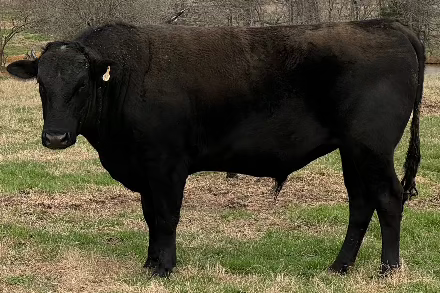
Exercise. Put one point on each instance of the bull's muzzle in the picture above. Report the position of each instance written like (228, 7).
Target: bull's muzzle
(56, 141)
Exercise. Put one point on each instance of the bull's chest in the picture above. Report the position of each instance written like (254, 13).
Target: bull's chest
(122, 165)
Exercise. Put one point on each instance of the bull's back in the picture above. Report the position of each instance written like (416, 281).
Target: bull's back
(264, 82)
(234, 67)
(271, 98)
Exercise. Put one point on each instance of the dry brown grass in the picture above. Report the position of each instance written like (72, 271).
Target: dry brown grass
(76, 271)
(73, 271)
(431, 99)
(18, 100)
(204, 197)
(433, 60)
(15, 92)
(49, 211)
(254, 194)
(11, 59)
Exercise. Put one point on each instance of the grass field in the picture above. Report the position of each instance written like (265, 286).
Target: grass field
(24, 42)
(66, 226)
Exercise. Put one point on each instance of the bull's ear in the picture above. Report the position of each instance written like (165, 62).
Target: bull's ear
(24, 69)
(99, 66)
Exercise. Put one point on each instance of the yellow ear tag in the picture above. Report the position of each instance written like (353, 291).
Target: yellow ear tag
(106, 76)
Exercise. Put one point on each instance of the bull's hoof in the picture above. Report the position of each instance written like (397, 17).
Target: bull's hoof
(151, 263)
(339, 268)
(162, 272)
(387, 270)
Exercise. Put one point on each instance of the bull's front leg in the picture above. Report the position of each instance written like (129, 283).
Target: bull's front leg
(148, 210)
(161, 203)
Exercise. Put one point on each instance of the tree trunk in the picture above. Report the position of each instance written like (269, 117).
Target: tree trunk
(291, 11)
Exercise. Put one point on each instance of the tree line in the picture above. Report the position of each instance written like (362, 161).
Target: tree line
(65, 18)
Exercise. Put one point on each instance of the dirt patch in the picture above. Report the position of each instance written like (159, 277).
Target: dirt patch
(15, 58)
(433, 60)
(255, 194)
(4, 74)
(214, 207)
(209, 200)
(95, 199)
(430, 107)
(209, 192)
(426, 203)
(11, 59)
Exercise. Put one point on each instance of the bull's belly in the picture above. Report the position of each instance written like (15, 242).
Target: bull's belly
(273, 163)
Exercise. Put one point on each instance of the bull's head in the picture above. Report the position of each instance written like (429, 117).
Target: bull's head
(67, 74)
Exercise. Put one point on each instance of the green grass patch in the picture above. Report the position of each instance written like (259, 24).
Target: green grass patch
(23, 280)
(299, 253)
(296, 252)
(119, 244)
(36, 37)
(14, 50)
(335, 215)
(430, 146)
(331, 161)
(23, 176)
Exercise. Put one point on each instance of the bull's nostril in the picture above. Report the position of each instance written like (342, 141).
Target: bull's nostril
(64, 139)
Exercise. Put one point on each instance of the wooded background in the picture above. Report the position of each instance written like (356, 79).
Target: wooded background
(65, 18)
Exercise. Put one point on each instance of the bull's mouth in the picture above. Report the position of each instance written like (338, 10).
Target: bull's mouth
(57, 140)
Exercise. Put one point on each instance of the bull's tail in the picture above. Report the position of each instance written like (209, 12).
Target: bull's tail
(412, 161)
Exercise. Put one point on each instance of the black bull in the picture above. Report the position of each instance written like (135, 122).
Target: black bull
(258, 101)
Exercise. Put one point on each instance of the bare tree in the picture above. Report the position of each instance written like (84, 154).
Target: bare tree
(65, 18)
(9, 30)
(330, 8)
(175, 17)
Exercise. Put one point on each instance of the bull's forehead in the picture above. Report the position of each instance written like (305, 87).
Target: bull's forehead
(62, 62)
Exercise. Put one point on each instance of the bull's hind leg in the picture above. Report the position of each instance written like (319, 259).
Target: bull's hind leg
(376, 187)
(389, 210)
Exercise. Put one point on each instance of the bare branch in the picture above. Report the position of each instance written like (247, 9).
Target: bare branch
(175, 17)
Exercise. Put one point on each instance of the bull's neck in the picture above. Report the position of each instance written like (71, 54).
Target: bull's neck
(103, 119)
(91, 123)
